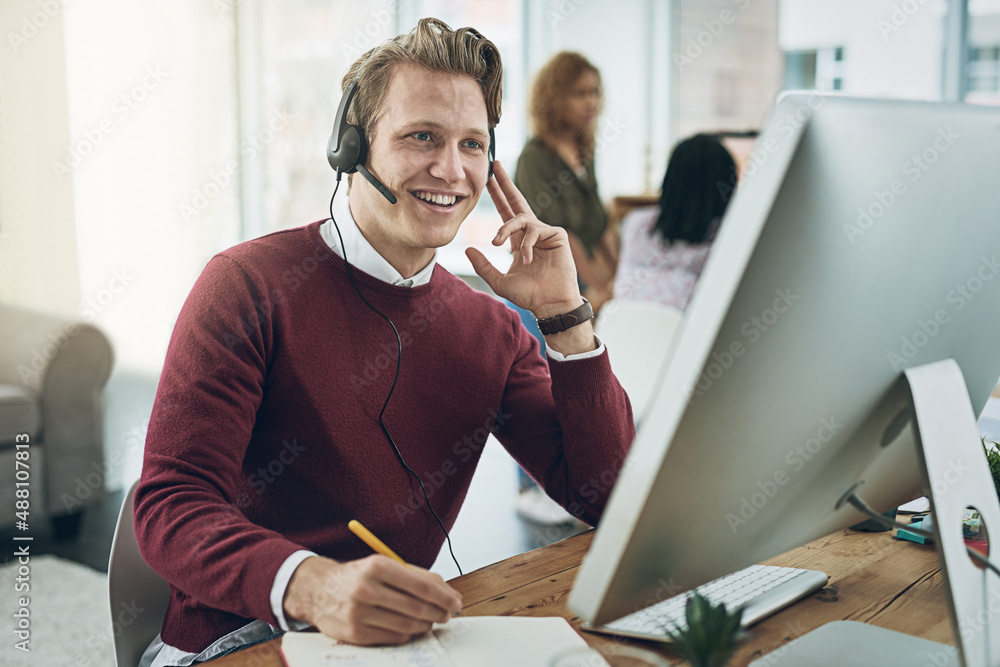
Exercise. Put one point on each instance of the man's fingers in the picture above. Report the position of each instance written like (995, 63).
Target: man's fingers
(513, 196)
(374, 600)
(510, 229)
(362, 633)
(499, 200)
(530, 238)
(387, 620)
(416, 582)
(483, 268)
(525, 235)
(404, 603)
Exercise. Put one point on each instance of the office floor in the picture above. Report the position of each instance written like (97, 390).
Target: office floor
(487, 529)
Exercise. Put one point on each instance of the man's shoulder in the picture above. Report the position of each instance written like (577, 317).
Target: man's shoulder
(282, 248)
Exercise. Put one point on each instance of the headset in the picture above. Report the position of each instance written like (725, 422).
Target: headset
(346, 152)
(347, 148)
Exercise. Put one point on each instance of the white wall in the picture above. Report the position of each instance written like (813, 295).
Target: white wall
(151, 89)
(38, 254)
(114, 114)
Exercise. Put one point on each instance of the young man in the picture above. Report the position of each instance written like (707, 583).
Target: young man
(265, 439)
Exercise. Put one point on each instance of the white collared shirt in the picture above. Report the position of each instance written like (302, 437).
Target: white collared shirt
(362, 255)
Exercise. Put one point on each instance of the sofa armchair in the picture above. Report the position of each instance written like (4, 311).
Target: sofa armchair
(52, 371)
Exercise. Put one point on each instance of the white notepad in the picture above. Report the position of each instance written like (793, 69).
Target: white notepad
(465, 641)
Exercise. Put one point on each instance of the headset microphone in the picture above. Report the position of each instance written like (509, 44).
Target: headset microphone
(377, 184)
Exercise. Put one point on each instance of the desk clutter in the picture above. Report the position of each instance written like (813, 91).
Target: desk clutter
(973, 531)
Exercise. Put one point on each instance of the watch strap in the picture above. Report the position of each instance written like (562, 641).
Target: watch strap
(553, 325)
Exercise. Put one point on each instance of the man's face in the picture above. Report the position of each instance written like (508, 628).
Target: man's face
(430, 150)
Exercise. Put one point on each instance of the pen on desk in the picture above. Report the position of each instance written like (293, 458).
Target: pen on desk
(378, 545)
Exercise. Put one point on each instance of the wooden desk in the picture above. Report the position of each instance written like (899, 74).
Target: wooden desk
(874, 578)
(623, 204)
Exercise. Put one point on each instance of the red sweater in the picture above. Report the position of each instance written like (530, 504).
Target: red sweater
(264, 437)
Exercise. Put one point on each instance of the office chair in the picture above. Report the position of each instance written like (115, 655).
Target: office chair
(133, 584)
(638, 336)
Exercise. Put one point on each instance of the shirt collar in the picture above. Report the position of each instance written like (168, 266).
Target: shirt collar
(360, 252)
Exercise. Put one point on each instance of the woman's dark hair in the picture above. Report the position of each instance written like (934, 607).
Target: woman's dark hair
(700, 179)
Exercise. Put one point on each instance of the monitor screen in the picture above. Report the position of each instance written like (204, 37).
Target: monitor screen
(863, 240)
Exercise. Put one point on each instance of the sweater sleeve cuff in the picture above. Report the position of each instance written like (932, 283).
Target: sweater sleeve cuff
(583, 378)
(281, 581)
(559, 356)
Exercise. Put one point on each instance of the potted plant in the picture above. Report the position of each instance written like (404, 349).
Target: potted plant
(993, 458)
(712, 633)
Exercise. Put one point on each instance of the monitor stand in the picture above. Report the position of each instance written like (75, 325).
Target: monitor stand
(956, 476)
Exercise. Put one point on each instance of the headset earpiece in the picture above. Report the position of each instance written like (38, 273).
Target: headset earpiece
(346, 148)
(346, 157)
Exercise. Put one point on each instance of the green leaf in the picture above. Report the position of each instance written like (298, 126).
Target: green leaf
(993, 458)
(712, 633)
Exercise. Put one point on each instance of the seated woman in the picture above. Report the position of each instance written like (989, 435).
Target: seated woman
(664, 248)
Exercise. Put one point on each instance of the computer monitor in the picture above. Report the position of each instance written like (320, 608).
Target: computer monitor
(864, 240)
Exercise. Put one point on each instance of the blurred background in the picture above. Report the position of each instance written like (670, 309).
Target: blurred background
(137, 139)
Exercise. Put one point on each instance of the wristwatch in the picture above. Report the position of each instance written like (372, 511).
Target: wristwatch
(553, 325)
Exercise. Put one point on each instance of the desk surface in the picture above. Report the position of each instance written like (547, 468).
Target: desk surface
(874, 578)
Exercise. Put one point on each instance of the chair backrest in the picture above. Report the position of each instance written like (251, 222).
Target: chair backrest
(133, 586)
(638, 336)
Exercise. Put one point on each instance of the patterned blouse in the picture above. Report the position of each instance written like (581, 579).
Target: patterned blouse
(649, 270)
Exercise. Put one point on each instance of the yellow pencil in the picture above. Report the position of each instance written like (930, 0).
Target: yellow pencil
(372, 541)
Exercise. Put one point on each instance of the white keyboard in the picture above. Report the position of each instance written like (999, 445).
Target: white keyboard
(760, 589)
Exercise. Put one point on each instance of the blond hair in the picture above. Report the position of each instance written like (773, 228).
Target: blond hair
(553, 84)
(436, 47)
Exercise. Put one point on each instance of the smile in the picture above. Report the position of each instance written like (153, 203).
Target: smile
(445, 201)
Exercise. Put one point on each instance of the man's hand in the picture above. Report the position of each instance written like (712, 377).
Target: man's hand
(542, 277)
(374, 600)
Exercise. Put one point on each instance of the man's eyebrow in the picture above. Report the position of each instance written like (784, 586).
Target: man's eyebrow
(472, 131)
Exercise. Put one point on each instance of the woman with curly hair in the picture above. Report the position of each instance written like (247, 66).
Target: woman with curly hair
(555, 171)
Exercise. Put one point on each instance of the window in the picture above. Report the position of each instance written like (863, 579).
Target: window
(822, 69)
(982, 75)
(800, 70)
(984, 69)
(304, 48)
